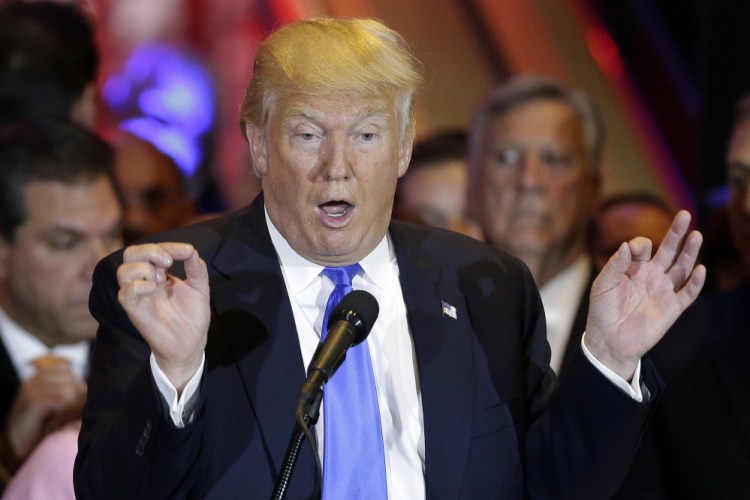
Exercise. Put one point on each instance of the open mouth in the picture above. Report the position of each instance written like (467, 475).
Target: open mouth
(335, 212)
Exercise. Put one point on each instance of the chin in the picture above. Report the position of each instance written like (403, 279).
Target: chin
(81, 329)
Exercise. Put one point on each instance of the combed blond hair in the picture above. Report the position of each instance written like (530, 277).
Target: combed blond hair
(329, 56)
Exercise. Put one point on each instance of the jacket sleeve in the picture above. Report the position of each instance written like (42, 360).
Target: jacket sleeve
(127, 444)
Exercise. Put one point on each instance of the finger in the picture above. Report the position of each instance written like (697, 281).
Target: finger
(158, 254)
(640, 249)
(195, 270)
(673, 240)
(143, 271)
(52, 391)
(132, 293)
(685, 261)
(616, 267)
(692, 288)
(153, 253)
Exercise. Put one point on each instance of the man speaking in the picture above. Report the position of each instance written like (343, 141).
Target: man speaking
(197, 367)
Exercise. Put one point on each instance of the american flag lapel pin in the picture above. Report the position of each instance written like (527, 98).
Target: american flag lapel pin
(448, 310)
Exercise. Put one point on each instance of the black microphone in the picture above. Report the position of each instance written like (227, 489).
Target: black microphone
(348, 325)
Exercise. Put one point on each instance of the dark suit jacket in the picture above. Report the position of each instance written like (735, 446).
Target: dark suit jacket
(491, 429)
(698, 445)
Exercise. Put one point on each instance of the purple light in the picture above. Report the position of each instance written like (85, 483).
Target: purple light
(181, 148)
(165, 96)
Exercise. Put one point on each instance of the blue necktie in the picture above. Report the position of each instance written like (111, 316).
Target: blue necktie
(353, 457)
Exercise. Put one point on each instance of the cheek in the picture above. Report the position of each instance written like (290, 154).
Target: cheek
(496, 191)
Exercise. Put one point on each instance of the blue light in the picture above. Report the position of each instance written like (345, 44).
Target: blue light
(166, 96)
(185, 152)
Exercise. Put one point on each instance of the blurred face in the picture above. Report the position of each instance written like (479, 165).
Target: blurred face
(329, 167)
(45, 272)
(151, 188)
(738, 175)
(436, 193)
(539, 191)
(625, 221)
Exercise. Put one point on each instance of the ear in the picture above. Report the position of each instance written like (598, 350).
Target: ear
(256, 138)
(83, 110)
(404, 155)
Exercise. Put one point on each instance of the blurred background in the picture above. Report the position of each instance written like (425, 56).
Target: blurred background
(664, 73)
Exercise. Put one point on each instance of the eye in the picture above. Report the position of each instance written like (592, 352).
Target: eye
(368, 136)
(307, 136)
(738, 178)
(509, 157)
(556, 159)
(114, 237)
(63, 243)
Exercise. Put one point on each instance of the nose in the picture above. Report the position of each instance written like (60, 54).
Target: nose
(531, 171)
(336, 163)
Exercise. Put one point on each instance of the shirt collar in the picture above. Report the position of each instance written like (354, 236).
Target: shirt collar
(300, 272)
(23, 348)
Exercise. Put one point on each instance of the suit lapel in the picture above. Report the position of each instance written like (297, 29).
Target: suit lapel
(444, 356)
(253, 312)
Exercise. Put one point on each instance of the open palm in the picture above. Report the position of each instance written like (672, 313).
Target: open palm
(636, 298)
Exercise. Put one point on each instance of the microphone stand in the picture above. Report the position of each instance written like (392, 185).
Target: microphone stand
(305, 419)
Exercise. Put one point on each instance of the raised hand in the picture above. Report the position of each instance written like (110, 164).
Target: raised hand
(636, 298)
(171, 314)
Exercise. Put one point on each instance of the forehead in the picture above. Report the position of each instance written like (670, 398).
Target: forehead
(548, 119)
(332, 108)
(84, 205)
(141, 166)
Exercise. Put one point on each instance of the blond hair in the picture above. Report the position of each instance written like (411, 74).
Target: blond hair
(328, 56)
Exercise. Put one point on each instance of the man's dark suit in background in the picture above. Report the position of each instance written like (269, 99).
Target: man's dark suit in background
(698, 444)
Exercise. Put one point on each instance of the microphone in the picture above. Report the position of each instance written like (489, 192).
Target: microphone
(348, 325)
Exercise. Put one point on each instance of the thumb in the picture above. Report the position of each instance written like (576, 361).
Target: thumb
(616, 267)
(196, 271)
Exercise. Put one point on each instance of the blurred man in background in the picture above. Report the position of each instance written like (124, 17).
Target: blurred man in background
(535, 148)
(60, 213)
(698, 444)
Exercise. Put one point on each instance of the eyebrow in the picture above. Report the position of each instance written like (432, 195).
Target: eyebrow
(65, 230)
(306, 113)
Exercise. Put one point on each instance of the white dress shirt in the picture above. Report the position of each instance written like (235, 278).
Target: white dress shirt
(391, 352)
(561, 297)
(23, 348)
